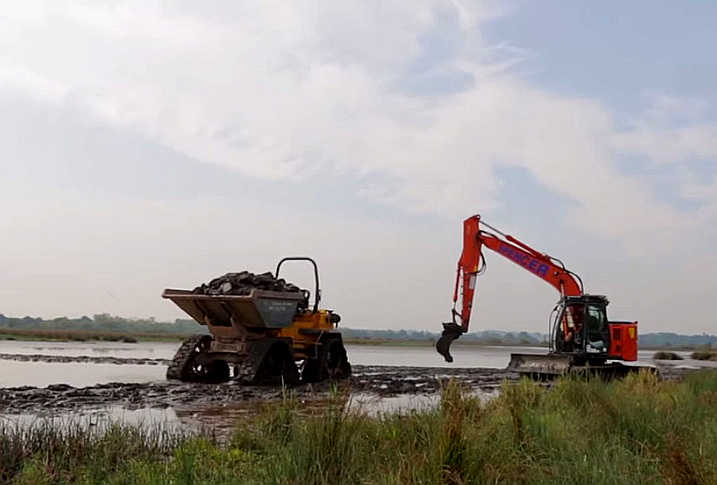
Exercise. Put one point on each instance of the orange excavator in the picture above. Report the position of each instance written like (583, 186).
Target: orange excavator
(580, 335)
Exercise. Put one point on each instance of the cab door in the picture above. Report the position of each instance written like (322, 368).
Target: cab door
(597, 331)
(570, 328)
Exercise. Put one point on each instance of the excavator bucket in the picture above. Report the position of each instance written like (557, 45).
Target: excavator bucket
(539, 365)
(451, 332)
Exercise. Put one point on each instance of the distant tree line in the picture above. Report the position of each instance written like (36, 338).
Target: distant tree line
(488, 337)
(659, 340)
(666, 340)
(105, 322)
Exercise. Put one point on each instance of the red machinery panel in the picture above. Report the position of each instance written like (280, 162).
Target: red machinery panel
(623, 340)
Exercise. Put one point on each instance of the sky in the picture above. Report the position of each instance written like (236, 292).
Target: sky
(158, 144)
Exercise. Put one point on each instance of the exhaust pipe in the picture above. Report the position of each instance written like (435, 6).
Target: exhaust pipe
(451, 332)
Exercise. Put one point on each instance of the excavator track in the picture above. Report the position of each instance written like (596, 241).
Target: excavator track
(550, 366)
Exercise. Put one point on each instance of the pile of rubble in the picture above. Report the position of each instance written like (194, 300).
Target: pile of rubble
(243, 283)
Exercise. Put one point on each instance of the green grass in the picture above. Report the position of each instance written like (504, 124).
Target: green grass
(638, 430)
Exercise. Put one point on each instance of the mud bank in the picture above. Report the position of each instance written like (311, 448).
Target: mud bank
(378, 380)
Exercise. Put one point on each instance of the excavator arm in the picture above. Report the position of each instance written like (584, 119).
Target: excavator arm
(471, 264)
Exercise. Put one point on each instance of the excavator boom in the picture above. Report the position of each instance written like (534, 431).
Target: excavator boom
(580, 333)
(471, 264)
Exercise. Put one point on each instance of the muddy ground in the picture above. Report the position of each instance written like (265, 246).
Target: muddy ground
(383, 381)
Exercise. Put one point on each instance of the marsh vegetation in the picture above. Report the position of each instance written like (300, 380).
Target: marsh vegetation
(638, 430)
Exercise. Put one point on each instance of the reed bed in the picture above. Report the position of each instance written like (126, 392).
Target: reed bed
(667, 355)
(704, 355)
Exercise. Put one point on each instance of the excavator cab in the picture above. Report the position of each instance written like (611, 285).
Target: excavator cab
(580, 327)
(581, 338)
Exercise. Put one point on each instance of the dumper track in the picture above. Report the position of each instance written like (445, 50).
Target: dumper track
(178, 366)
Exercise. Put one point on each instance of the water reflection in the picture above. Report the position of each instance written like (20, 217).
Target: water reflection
(75, 374)
(219, 420)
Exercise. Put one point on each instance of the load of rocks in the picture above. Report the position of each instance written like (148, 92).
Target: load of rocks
(243, 283)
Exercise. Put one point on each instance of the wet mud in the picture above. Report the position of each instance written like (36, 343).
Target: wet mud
(381, 381)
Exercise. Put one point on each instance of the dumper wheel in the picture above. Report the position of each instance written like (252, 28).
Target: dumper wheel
(332, 363)
(278, 366)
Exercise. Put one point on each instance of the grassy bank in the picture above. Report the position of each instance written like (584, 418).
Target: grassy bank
(638, 430)
(666, 355)
(704, 355)
(86, 335)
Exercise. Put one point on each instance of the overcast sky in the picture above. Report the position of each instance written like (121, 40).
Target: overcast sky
(152, 144)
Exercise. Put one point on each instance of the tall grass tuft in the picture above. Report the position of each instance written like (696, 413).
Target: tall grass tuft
(64, 452)
(453, 441)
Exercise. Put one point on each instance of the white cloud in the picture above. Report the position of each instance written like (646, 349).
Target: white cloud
(304, 90)
(670, 131)
(286, 91)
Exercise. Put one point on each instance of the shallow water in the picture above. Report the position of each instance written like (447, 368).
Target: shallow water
(144, 350)
(42, 374)
(75, 374)
(221, 420)
(489, 357)
(151, 417)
